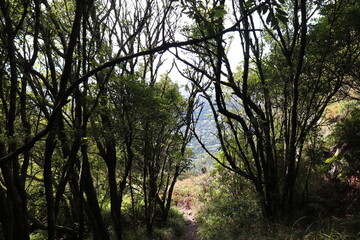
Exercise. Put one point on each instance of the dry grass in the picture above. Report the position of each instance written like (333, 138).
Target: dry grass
(189, 191)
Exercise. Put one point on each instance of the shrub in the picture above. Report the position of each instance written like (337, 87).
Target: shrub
(229, 208)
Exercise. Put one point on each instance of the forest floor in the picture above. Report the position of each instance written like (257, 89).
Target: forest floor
(190, 232)
(186, 196)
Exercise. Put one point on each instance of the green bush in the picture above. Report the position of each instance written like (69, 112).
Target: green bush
(229, 207)
(38, 235)
(230, 212)
(346, 136)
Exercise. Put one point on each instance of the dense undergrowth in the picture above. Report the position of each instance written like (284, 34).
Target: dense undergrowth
(226, 208)
(135, 229)
(172, 230)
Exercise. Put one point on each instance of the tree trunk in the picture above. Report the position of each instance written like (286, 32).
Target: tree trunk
(99, 228)
(48, 183)
(115, 204)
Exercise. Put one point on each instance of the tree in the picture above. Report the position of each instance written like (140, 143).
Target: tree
(265, 111)
(46, 84)
(345, 36)
(70, 76)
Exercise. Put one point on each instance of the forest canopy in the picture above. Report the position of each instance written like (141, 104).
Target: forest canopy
(100, 100)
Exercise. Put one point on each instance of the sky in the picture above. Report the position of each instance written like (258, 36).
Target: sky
(234, 54)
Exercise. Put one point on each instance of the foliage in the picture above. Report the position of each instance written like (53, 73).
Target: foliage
(346, 136)
(227, 215)
(39, 235)
(94, 132)
(229, 208)
(170, 231)
(266, 109)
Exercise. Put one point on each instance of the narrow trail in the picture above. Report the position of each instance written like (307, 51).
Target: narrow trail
(190, 232)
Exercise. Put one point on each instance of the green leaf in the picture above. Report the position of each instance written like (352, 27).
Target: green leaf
(219, 11)
(281, 12)
(331, 159)
(249, 4)
(282, 18)
(269, 18)
(274, 22)
(265, 8)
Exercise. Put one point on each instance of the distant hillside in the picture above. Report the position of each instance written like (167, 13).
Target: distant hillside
(206, 130)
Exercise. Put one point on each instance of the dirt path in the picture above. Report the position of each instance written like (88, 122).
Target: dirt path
(190, 232)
